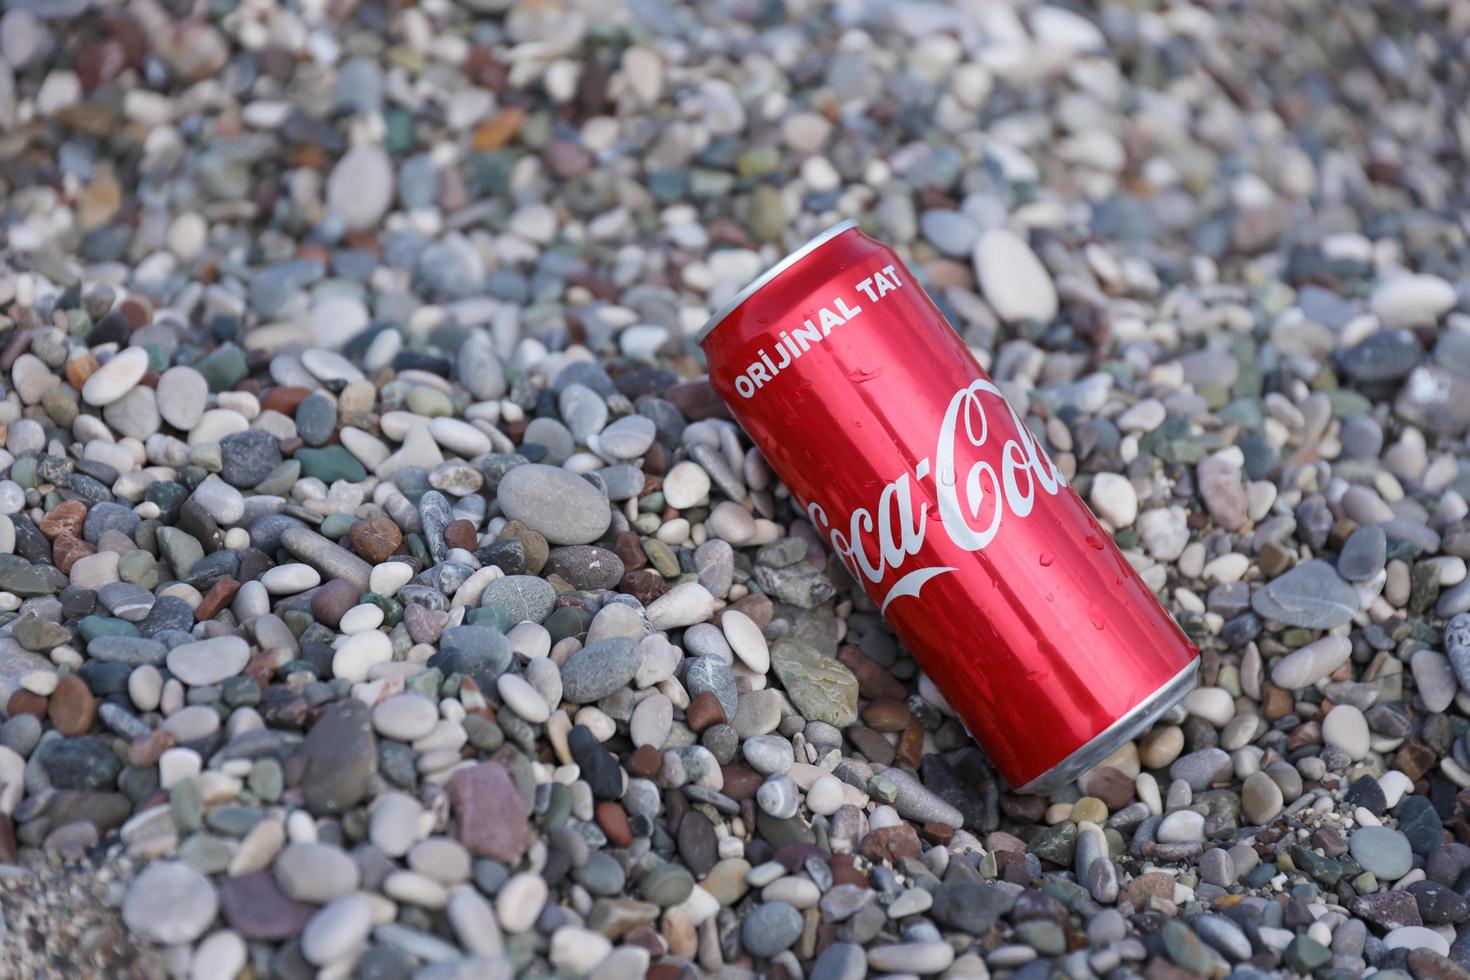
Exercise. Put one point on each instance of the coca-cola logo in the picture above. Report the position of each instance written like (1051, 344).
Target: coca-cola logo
(971, 505)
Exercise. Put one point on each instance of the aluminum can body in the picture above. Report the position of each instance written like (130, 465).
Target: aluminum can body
(920, 477)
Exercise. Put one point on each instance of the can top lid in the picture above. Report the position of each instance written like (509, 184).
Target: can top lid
(759, 283)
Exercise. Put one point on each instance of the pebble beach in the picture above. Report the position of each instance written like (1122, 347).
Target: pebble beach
(386, 593)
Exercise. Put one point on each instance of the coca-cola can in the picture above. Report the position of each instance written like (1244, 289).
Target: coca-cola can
(914, 470)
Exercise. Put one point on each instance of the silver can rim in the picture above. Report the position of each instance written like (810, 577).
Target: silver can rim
(1139, 719)
(764, 279)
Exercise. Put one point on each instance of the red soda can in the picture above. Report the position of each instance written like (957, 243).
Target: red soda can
(920, 477)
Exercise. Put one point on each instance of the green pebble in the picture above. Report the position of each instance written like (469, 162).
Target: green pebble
(1304, 954)
(208, 455)
(483, 733)
(766, 215)
(1259, 875)
(418, 549)
(1055, 844)
(355, 823)
(450, 688)
(235, 820)
(168, 496)
(23, 472)
(758, 161)
(518, 731)
(92, 627)
(298, 621)
(392, 608)
(186, 806)
(1346, 403)
(398, 126)
(567, 621)
(205, 853)
(60, 406)
(1215, 395)
(521, 951)
(157, 358)
(881, 788)
(666, 885)
(139, 568)
(335, 526)
(298, 667)
(267, 780)
(652, 503)
(317, 633)
(423, 400)
(1044, 936)
(137, 784)
(224, 368)
(279, 481)
(240, 691)
(558, 807)
(426, 682)
(662, 557)
(1324, 869)
(489, 616)
(330, 464)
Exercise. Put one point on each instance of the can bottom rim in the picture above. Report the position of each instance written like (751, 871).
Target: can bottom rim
(1141, 717)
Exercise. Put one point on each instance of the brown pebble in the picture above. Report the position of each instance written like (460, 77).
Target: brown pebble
(1415, 759)
(375, 538)
(25, 702)
(759, 608)
(887, 715)
(331, 602)
(1276, 703)
(261, 668)
(1010, 866)
(645, 762)
(628, 549)
(671, 971)
(80, 368)
(741, 781)
(999, 840)
(1309, 733)
(874, 682)
(613, 820)
(845, 872)
(66, 517)
(648, 938)
(937, 833)
(703, 711)
(220, 595)
(793, 857)
(892, 844)
(645, 585)
(1023, 809)
(461, 534)
(910, 749)
(68, 549)
(1110, 785)
(145, 752)
(1162, 969)
(284, 400)
(72, 708)
(1151, 884)
(8, 850)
